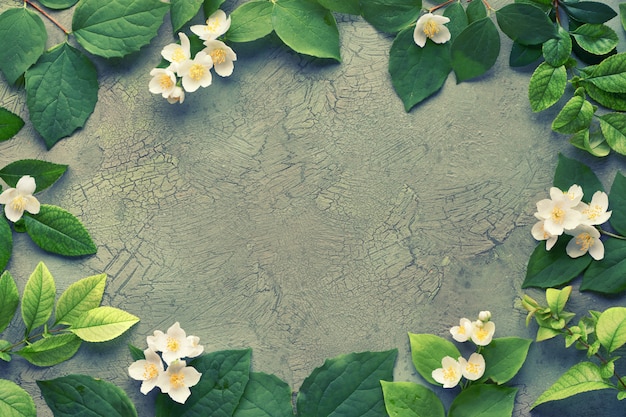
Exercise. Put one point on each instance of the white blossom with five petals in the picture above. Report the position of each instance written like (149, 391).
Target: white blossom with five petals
(595, 212)
(176, 54)
(222, 56)
(431, 26)
(463, 331)
(20, 199)
(482, 332)
(196, 72)
(174, 344)
(163, 82)
(586, 239)
(216, 25)
(147, 370)
(449, 374)
(474, 367)
(177, 379)
(558, 212)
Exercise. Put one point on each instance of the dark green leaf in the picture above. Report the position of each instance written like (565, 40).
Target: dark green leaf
(484, 401)
(556, 51)
(458, 19)
(59, 231)
(525, 23)
(407, 399)
(265, 396)
(617, 198)
(28, 37)
(609, 75)
(475, 50)
(589, 11)
(62, 90)
(391, 16)
(597, 39)
(136, 353)
(417, 73)
(570, 171)
(547, 86)
(38, 298)
(504, 357)
(10, 124)
(476, 10)
(9, 299)
(522, 55)
(51, 350)
(81, 395)
(58, 4)
(45, 173)
(116, 28)
(427, 351)
(347, 385)
(342, 6)
(307, 28)
(613, 127)
(182, 11)
(554, 267)
(6, 242)
(250, 21)
(211, 6)
(15, 401)
(575, 116)
(607, 276)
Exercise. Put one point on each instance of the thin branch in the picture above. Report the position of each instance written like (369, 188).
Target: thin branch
(43, 12)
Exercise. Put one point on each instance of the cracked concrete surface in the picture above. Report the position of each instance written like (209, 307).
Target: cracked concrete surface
(295, 208)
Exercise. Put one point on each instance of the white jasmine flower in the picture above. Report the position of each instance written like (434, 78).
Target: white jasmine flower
(482, 333)
(176, 381)
(539, 232)
(463, 331)
(473, 368)
(174, 344)
(431, 26)
(222, 56)
(176, 96)
(196, 348)
(147, 370)
(216, 25)
(558, 212)
(484, 316)
(449, 374)
(163, 82)
(177, 54)
(586, 239)
(596, 211)
(196, 72)
(19, 199)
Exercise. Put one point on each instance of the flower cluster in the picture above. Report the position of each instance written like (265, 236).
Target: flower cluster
(564, 212)
(431, 26)
(187, 74)
(19, 199)
(481, 333)
(168, 371)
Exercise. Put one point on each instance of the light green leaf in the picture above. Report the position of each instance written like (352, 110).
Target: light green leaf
(5, 350)
(545, 333)
(557, 299)
(613, 127)
(10, 124)
(82, 395)
(427, 351)
(554, 267)
(611, 328)
(607, 276)
(504, 357)
(575, 116)
(407, 399)
(182, 11)
(475, 50)
(594, 143)
(556, 51)
(484, 401)
(589, 11)
(610, 74)
(51, 350)
(6, 242)
(58, 4)
(38, 298)
(80, 297)
(307, 28)
(45, 173)
(28, 37)
(417, 73)
(614, 101)
(116, 28)
(102, 323)
(391, 16)
(582, 377)
(525, 23)
(617, 197)
(265, 396)
(570, 171)
(547, 85)
(250, 21)
(347, 385)
(9, 299)
(62, 90)
(58, 231)
(622, 14)
(15, 401)
(597, 39)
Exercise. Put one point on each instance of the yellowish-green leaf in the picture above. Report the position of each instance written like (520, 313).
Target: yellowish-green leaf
(103, 323)
(51, 350)
(38, 298)
(15, 401)
(611, 328)
(80, 297)
(9, 299)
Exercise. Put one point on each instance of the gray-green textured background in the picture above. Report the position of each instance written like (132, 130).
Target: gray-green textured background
(297, 209)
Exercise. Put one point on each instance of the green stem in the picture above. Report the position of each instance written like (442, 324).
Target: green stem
(30, 339)
(439, 6)
(50, 18)
(604, 232)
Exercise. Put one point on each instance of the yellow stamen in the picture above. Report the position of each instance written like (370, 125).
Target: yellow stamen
(558, 214)
(585, 241)
(449, 374)
(177, 380)
(172, 344)
(218, 56)
(150, 371)
(18, 203)
(481, 333)
(431, 28)
(166, 82)
(472, 368)
(196, 72)
(179, 55)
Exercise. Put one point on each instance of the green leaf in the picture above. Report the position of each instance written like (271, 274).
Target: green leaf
(554, 267)
(80, 297)
(622, 14)
(476, 10)
(547, 85)
(10, 124)
(556, 51)
(58, 4)
(594, 143)
(62, 90)
(182, 11)
(570, 171)
(211, 6)
(6, 242)
(607, 276)
(522, 55)
(391, 16)
(575, 116)
(51, 350)
(116, 28)
(614, 101)
(82, 395)
(427, 351)
(484, 401)
(9, 299)
(347, 385)
(38, 298)
(582, 377)
(504, 357)
(58, 231)
(342, 6)
(617, 197)
(250, 21)
(458, 19)
(45, 173)
(475, 50)
(525, 23)
(407, 399)
(611, 328)
(307, 28)
(15, 401)
(136, 353)
(265, 396)
(224, 377)
(557, 299)
(417, 73)
(589, 11)
(101, 324)
(28, 37)
(610, 74)
(545, 333)
(597, 39)
(613, 127)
